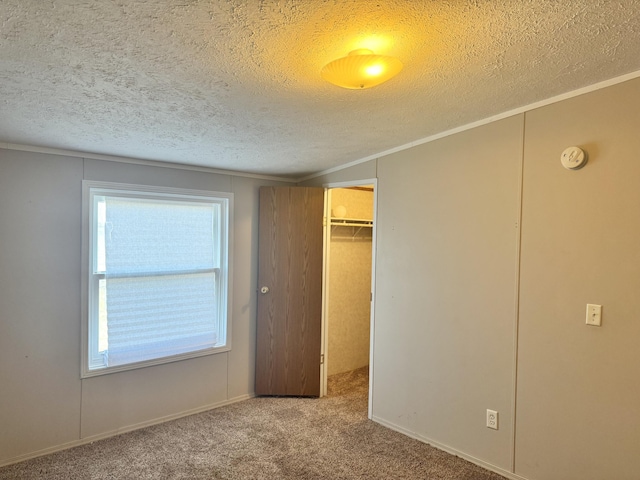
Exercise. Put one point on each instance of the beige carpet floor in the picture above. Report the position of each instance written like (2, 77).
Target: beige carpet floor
(261, 438)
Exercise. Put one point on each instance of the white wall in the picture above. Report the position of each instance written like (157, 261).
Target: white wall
(488, 252)
(44, 405)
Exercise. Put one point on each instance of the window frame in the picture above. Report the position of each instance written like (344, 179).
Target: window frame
(89, 293)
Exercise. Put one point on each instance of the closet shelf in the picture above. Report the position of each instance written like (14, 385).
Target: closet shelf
(351, 222)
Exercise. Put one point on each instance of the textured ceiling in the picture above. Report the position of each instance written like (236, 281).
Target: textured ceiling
(236, 84)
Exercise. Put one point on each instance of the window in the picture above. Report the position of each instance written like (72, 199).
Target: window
(157, 275)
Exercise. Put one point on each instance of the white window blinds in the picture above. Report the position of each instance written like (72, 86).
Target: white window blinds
(147, 236)
(157, 316)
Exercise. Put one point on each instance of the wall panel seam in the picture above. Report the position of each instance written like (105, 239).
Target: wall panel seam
(514, 401)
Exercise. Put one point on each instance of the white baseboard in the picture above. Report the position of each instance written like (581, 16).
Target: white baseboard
(119, 431)
(448, 449)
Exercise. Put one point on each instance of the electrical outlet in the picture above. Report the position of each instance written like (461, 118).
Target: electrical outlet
(492, 419)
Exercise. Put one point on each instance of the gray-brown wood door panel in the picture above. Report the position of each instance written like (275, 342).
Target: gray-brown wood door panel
(290, 312)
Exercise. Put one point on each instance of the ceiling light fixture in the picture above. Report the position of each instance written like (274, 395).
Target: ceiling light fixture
(361, 69)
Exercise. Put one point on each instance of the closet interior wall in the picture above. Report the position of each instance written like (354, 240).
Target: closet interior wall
(349, 281)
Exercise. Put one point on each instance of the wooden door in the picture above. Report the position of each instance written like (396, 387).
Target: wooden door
(289, 291)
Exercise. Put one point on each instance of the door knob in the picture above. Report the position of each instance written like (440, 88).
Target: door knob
(264, 290)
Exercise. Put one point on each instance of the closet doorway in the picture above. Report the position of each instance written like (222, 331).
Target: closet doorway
(349, 247)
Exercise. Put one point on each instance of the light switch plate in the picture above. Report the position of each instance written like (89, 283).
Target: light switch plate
(594, 314)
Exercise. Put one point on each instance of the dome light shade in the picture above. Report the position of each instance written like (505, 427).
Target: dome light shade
(361, 69)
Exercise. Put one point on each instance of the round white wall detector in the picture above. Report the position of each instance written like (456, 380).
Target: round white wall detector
(573, 158)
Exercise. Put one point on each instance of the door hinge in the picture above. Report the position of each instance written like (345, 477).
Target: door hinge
(324, 221)
(322, 359)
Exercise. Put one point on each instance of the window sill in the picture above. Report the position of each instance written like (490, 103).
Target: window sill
(96, 372)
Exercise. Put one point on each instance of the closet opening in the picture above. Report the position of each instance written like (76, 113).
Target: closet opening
(349, 248)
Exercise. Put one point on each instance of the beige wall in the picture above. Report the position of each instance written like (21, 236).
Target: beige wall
(349, 284)
(466, 299)
(44, 405)
(40, 387)
(445, 296)
(361, 171)
(578, 413)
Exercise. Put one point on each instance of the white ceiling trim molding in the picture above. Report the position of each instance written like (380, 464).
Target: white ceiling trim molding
(136, 161)
(484, 121)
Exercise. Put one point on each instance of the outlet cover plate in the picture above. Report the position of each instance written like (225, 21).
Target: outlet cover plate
(492, 419)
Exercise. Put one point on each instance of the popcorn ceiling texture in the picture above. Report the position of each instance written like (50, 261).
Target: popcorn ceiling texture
(236, 84)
